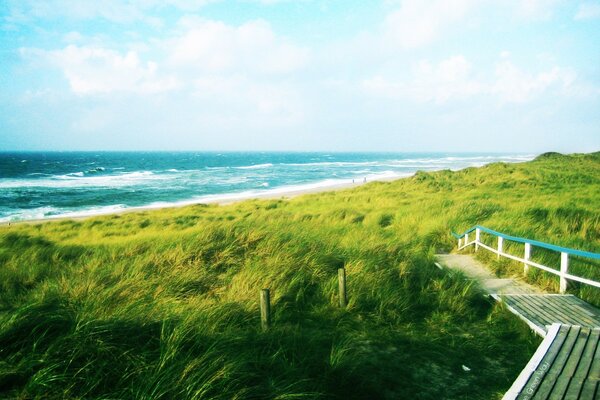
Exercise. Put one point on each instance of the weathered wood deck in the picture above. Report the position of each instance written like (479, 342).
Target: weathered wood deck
(566, 366)
(540, 311)
(567, 363)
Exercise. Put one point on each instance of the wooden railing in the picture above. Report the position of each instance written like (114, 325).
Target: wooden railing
(563, 272)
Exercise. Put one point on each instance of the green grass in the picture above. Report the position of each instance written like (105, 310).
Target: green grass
(164, 304)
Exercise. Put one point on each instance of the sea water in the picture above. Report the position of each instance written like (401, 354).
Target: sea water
(41, 185)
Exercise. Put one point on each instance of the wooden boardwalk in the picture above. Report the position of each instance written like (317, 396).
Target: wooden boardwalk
(535, 307)
(540, 311)
(567, 364)
(473, 269)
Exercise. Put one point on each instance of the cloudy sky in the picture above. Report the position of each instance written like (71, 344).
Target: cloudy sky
(332, 75)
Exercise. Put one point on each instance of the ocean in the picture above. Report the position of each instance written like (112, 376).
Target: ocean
(40, 185)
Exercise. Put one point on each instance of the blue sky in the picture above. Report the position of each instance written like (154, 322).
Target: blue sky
(338, 75)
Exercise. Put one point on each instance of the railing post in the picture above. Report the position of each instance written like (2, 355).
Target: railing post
(265, 309)
(500, 245)
(527, 257)
(466, 239)
(477, 236)
(343, 297)
(564, 270)
(459, 241)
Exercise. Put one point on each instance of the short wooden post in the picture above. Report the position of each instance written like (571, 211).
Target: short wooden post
(459, 242)
(564, 270)
(265, 309)
(477, 237)
(527, 257)
(342, 287)
(466, 239)
(500, 245)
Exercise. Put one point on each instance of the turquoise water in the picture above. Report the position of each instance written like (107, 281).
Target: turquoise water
(58, 184)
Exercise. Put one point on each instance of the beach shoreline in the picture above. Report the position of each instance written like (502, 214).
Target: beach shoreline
(223, 199)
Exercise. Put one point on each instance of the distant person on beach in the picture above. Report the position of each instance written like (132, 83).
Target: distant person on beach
(365, 180)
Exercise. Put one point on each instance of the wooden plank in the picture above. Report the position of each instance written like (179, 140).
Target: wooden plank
(553, 312)
(526, 315)
(526, 308)
(536, 313)
(533, 364)
(556, 367)
(546, 316)
(536, 327)
(577, 310)
(555, 309)
(566, 310)
(590, 387)
(580, 376)
(571, 364)
(546, 311)
(537, 378)
(590, 390)
(581, 308)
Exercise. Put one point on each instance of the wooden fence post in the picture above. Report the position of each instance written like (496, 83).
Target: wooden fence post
(564, 270)
(265, 309)
(466, 239)
(477, 237)
(500, 245)
(342, 287)
(527, 257)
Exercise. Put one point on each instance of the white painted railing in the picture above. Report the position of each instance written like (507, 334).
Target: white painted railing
(563, 273)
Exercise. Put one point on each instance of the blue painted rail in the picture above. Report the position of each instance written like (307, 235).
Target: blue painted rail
(563, 273)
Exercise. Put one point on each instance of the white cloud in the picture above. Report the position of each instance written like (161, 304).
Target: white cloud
(450, 79)
(515, 86)
(588, 10)
(199, 49)
(94, 70)
(119, 11)
(419, 22)
(242, 95)
(536, 9)
(252, 47)
(454, 79)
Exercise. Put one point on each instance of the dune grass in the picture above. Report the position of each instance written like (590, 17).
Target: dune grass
(164, 304)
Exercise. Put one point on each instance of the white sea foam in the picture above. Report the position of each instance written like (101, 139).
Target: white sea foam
(78, 179)
(53, 213)
(334, 164)
(29, 214)
(228, 176)
(229, 181)
(257, 166)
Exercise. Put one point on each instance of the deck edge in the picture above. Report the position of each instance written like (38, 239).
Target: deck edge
(539, 330)
(531, 366)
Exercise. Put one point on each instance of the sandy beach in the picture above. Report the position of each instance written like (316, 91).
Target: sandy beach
(283, 193)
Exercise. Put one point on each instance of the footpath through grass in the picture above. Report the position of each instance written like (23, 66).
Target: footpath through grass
(164, 304)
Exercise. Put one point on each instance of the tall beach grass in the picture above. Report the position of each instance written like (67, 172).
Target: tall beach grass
(164, 304)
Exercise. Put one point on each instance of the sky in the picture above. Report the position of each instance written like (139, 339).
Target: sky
(303, 75)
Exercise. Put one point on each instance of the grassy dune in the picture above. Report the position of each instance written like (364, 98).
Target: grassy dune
(164, 304)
